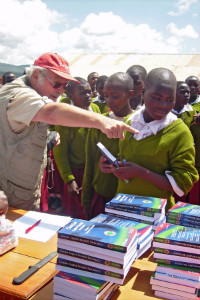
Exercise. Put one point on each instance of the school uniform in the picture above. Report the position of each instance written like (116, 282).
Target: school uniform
(163, 146)
(98, 188)
(70, 160)
(196, 104)
(186, 114)
(101, 104)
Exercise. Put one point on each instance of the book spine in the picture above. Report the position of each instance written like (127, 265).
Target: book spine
(90, 258)
(169, 262)
(130, 218)
(134, 208)
(90, 242)
(177, 253)
(74, 265)
(185, 223)
(175, 242)
(181, 217)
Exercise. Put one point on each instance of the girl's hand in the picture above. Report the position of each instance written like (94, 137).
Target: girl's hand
(73, 188)
(104, 166)
(126, 170)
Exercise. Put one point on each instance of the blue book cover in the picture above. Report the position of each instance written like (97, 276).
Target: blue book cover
(185, 210)
(117, 215)
(106, 236)
(144, 203)
(183, 222)
(89, 285)
(178, 235)
(142, 229)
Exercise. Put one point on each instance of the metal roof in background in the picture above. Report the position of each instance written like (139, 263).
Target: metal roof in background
(183, 65)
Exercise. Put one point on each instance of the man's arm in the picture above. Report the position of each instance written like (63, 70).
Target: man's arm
(72, 116)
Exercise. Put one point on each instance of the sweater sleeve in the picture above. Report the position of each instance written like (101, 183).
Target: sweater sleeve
(91, 150)
(61, 153)
(182, 160)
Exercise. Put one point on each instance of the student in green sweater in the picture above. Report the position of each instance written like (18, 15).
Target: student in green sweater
(99, 188)
(70, 154)
(138, 73)
(100, 99)
(160, 158)
(182, 108)
(194, 85)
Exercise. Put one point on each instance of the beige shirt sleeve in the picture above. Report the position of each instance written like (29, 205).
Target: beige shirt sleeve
(23, 107)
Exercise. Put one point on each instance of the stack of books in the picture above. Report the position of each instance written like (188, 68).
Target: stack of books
(148, 210)
(184, 214)
(177, 252)
(69, 286)
(144, 231)
(98, 251)
(8, 235)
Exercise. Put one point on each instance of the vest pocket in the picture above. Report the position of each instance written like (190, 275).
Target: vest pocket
(19, 192)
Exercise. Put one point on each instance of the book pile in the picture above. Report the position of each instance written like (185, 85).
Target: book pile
(69, 286)
(99, 251)
(184, 214)
(177, 252)
(144, 231)
(148, 210)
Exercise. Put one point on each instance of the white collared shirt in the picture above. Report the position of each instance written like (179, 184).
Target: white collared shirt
(196, 101)
(185, 108)
(147, 129)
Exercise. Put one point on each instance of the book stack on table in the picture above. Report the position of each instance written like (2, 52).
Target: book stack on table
(97, 251)
(148, 210)
(69, 286)
(177, 252)
(184, 214)
(144, 231)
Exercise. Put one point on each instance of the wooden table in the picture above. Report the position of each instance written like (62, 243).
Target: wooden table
(136, 286)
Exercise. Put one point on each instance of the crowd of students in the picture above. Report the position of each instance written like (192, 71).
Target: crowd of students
(162, 160)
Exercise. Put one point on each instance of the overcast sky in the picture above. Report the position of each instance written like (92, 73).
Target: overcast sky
(29, 28)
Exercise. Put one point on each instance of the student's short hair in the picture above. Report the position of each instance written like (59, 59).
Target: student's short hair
(160, 75)
(101, 78)
(179, 82)
(137, 69)
(122, 79)
(73, 84)
(91, 74)
(192, 78)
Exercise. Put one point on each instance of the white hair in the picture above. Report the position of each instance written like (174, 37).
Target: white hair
(31, 69)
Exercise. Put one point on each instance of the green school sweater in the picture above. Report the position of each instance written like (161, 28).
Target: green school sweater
(195, 130)
(70, 154)
(93, 179)
(172, 149)
(187, 117)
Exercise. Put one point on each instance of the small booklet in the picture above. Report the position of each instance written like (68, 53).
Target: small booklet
(106, 153)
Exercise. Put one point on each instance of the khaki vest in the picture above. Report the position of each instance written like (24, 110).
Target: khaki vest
(22, 156)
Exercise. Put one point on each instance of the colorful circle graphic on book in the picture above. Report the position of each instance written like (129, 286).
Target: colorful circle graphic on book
(110, 246)
(107, 262)
(166, 251)
(110, 233)
(166, 241)
(107, 273)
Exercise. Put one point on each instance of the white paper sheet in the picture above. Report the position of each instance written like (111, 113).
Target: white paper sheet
(48, 226)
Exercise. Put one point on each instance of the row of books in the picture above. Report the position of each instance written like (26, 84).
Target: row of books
(184, 214)
(177, 252)
(103, 249)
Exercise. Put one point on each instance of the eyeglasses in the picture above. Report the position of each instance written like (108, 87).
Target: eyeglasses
(57, 85)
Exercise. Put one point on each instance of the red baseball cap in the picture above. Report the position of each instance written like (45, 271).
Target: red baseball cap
(56, 64)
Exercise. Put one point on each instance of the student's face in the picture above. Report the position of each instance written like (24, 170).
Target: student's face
(194, 86)
(92, 80)
(138, 85)
(82, 96)
(182, 94)
(100, 88)
(159, 99)
(117, 98)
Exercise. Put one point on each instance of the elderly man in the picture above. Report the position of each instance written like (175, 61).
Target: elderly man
(27, 107)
